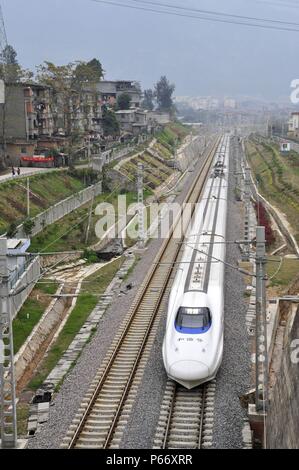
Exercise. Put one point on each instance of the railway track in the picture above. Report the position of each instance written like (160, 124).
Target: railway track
(102, 417)
(186, 417)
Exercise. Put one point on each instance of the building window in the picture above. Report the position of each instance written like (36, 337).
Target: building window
(23, 149)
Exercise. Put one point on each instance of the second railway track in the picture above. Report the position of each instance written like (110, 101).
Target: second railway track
(101, 419)
(186, 418)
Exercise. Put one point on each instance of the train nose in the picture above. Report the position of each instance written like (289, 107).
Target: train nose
(189, 370)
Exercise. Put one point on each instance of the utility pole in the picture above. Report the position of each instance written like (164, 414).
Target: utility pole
(247, 213)
(89, 152)
(7, 380)
(261, 353)
(89, 219)
(28, 198)
(141, 234)
(3, 45)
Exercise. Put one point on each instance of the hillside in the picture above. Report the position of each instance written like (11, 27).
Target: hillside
(45, 190)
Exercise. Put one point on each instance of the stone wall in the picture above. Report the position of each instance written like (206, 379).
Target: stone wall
(283, 417)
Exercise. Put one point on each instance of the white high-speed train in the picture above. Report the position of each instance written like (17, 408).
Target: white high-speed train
(193, 342)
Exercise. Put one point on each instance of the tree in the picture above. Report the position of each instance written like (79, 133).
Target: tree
(110, 123)
(124, 101)
(148, 100)
(67, 83)
(96, 66)
(88, 72)
(59, 78)
(163, 93)
(9, 55)
(10, 69)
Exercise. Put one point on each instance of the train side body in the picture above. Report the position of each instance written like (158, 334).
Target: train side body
(193, 342)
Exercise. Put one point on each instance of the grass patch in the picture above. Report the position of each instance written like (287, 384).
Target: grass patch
(31, 312)
(172, 135)
(288, 272)
(278, 179)
(69, 232)
(155, 172)
(46, 190)
(22, 418)
(86, 302)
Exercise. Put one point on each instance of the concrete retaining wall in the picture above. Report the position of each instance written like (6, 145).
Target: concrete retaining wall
(190, 151)
(29, 279)
(104, 158)
(283, 416)
(55, 258)
(61, 209)
(49, 321)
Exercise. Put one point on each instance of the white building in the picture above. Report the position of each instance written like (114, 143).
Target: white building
(294, 125)
(229, 103)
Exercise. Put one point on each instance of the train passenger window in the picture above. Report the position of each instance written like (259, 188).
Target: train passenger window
(193, 320)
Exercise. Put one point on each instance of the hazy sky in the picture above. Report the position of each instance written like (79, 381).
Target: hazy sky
(201, 57)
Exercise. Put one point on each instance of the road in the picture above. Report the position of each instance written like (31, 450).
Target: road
(27, 171)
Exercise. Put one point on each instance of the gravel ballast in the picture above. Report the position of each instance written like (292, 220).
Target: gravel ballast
(66, 403)
(232, 379)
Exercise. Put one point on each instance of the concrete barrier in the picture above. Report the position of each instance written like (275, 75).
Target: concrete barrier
(283, 413)
(27, 281)
(40, 337)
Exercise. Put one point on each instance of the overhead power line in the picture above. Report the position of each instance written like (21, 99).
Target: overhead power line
(278, 3)
(219, 18)
(214, 13)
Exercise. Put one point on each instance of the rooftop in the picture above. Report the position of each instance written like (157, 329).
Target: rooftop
(125, 111)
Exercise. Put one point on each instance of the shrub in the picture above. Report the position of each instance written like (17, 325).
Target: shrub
(90, 256)
(264, 220)
(12, 229)
(28, 226)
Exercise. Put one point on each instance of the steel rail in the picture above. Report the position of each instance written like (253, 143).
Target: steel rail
(202, 415)
(192, 196)
(171, 423)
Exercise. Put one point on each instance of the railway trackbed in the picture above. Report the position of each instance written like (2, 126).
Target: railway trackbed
(186, 418)
(102, 417)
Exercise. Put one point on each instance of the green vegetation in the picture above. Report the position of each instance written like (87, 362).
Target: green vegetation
(163, 151)
(46, 190)
(70, 231)
(155, 172)
(163, 94)
(278, 178)
(124, 101)
(110, 122)
(22, 418)
(88, 298)
(287, 273)
(172, 136)
(31, 312)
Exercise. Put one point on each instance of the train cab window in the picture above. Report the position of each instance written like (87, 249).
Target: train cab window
(193, 320)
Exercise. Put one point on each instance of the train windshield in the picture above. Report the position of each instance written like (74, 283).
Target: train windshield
(193, 320)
